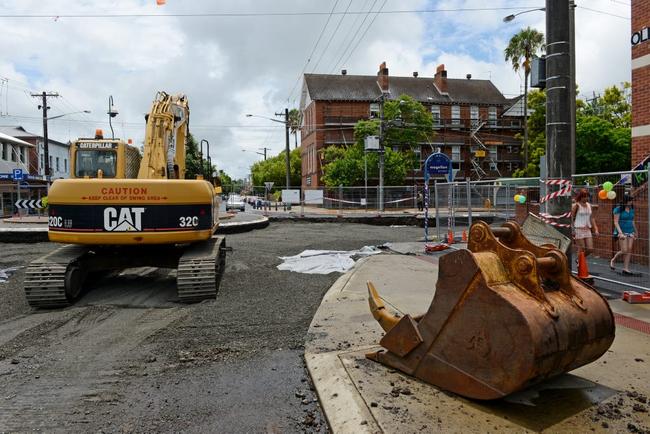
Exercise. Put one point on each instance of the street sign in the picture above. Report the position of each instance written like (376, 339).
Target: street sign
(438, 164)
(17, 174)
(269, 185)
(29, 204)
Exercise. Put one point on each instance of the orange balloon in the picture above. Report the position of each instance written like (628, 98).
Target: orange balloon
(602, 195)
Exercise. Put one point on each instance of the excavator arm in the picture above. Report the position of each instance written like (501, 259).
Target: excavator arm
(165, 135)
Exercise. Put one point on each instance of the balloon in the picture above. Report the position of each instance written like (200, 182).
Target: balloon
(522, 198)
(607, 186)
(611, 195)
(516, 198)
(602, 194)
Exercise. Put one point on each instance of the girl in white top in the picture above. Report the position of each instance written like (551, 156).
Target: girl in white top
(583, 223)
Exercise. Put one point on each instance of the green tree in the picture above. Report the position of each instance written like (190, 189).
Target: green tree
(295, 118)
(407, 124)
(274, 170)
(520, 50)
(603, 134)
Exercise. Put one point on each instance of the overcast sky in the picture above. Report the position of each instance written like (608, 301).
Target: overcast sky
(230, 65)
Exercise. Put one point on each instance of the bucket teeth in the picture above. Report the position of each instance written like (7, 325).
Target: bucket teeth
(378, 309)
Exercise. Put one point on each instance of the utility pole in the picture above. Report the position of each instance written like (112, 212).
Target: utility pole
(287, 150)
(572, 41)
(46, 148)
(560, 157)
(264, 149)
(381, 152)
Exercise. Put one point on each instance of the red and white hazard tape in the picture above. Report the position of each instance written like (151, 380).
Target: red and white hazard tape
(549, 216)
(566, 191)
(556, 181)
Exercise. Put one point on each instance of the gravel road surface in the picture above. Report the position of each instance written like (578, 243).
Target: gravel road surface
(128, 358)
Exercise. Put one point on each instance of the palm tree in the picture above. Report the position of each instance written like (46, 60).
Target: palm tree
(294, 123)
(520, 50)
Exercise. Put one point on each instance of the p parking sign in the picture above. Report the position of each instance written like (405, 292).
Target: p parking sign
(17, 174)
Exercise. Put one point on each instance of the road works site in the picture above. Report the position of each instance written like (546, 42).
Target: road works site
(285, 351)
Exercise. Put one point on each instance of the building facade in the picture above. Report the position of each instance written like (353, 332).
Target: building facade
(640, 41)
(475, 123)
(58, 153)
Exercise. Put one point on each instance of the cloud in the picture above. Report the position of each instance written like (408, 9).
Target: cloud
(230, 66)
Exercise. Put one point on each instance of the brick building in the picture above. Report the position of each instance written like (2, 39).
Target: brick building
(640, 40)
(475, 123)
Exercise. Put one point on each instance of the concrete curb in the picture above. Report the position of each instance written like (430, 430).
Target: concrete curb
(377, 220)
(245, 226)
(348, 412)
(23, 235)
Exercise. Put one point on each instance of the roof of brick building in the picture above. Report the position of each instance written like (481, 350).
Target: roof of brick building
(332, 87)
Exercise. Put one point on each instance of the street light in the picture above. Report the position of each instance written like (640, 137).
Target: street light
(512, 16)
(263, 154)
(286, 131)
(209, 159)
(112, 112)
(66, 114)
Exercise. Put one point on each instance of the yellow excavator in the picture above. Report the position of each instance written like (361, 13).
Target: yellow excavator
(121, 210)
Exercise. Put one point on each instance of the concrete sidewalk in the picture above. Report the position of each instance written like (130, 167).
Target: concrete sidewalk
(358, 395)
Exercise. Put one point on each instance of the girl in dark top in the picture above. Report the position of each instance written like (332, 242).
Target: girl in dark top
(625, 231)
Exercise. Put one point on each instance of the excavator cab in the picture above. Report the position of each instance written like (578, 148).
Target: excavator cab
(506, 314)
(103, 158)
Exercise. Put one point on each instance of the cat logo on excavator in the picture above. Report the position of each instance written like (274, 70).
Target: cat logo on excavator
(124, 220)
(506, 314)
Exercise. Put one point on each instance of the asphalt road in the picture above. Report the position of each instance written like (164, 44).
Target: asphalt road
(128, 358)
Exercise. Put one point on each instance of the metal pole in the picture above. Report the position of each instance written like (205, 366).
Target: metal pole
(572, 102)
(469, 202)
(110, 115)
(560, 159)
(46, 146)
(381, 153)
(435, 198)
(426, 208)
(365, 176)
(287, 150)
(648, 205)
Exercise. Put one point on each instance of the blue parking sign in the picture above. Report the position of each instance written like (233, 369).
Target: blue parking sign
(18, 174)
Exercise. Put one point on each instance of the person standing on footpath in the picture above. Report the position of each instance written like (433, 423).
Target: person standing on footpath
(625, 231)
(584, 223)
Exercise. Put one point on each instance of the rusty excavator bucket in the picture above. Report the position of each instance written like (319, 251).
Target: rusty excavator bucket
(506, 314)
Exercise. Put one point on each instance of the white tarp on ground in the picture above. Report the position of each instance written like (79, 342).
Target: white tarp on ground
(5, 273)
(324, 261)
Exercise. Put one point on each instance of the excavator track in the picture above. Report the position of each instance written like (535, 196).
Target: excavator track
(54, 280)
(200, 270)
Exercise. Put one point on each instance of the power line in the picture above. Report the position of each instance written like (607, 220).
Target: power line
(604, 13)
(352, 27)
(257, 14)
(366, 31)
(313, 50)
(331, 37)
(354, 36)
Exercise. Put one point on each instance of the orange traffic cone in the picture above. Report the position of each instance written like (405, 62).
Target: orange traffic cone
(450, 237)
(464, 236)
(583, 270)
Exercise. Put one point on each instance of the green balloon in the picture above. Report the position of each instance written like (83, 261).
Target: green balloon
(607, 186)
(522, 198)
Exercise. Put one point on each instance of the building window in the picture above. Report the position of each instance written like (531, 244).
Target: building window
(65, 165)
(492, 116)
(3, 149)
(42, 167)
(374, 110)
(455, 153)
(418, 158)
(435, 113)
(493, 152)
(14, 153)
(473, 115)
(455, 114)
(23, 154)
(57, 165)
(51, 164)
